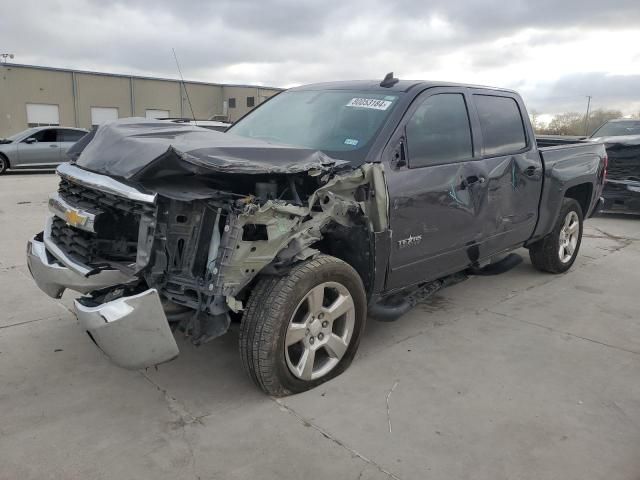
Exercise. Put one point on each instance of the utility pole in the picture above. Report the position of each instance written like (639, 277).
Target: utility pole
(586, 118)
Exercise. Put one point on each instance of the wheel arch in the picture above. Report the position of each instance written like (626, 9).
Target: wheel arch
(582, 193)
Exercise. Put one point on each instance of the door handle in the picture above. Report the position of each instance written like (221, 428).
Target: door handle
(530, 171)
(470, 180)
(53, 146)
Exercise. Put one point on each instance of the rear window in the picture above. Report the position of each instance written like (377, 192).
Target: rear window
(501, 124)
(70, 135)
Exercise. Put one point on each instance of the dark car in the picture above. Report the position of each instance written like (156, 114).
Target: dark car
(622, 188)
(324, 203)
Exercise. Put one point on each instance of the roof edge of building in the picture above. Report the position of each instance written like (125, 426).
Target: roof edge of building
(141, 77)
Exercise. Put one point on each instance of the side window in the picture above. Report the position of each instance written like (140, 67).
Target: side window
(70, 135)
(48, 136)
(439, 131)
(501, 124)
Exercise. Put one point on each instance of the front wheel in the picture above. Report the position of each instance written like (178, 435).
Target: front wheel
(302, 329)
(4, 164)
(556, 252)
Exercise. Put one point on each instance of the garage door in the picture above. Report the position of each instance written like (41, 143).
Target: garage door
(100, 115)
(40, 114)
(157, 113)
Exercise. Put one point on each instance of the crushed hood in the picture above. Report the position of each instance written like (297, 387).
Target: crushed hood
(136, 148)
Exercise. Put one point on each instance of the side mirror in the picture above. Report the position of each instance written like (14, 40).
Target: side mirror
(30, 140)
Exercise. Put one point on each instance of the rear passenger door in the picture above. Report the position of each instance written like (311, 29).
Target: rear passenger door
(66, 138)
(514, 171)
(437, 188)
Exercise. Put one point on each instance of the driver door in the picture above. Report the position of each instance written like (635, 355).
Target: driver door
(437, 188)
(39, 150)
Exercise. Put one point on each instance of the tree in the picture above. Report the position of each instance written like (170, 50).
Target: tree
(598, 117)
(573, 123)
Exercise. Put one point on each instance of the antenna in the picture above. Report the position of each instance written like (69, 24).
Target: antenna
(184, 86)
(586, 117)
(389, 80)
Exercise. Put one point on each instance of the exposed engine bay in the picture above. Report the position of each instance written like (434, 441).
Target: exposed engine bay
(198, 225)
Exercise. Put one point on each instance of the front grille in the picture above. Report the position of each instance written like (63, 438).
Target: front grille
(624, 162)
(85, 197)
(116, 227)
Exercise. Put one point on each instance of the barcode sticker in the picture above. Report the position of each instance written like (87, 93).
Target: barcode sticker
(374, 103)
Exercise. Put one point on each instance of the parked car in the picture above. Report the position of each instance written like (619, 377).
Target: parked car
(38, 147)
(622, 188)
(323, 204)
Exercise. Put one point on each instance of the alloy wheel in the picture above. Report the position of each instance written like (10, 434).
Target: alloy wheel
(319, 331)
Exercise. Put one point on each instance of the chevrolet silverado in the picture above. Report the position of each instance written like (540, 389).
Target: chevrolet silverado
(326, 204)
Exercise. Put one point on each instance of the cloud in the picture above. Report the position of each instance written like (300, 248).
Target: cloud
(537, 46)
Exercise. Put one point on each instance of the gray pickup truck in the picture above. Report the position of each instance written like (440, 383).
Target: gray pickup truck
(324, 205)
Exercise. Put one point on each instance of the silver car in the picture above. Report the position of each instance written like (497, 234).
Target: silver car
(38, 147)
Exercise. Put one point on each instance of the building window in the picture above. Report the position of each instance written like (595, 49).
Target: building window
(154, 113)
(251, 102)
(232, 103)
(39, 114)
(100, 115)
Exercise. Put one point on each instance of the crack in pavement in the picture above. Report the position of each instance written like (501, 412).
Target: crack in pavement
(50, 317)
(333, 439)
(184, 418)
(564, 332)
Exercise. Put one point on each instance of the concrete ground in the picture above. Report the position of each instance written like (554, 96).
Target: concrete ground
(523, 375)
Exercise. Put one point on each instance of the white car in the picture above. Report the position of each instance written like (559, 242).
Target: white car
(38, 147)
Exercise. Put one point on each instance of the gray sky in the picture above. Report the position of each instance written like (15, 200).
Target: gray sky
(554, 52)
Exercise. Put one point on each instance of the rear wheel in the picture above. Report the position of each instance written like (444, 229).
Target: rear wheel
(304, 328)
(556, 252)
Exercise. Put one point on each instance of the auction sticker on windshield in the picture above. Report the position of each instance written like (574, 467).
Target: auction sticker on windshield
(374, 103)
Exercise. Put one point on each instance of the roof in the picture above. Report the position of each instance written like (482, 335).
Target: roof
(46, 127)
(616, 120)
(400, 86)
(141, 77)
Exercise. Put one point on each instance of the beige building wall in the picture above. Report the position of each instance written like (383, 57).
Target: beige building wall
(205, 99)
(19, 86)
(76, 92)
(156, 95)
(102, 91)
(240, 94)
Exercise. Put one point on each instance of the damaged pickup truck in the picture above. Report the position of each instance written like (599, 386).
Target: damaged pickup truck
(325, 204)
(621, 138)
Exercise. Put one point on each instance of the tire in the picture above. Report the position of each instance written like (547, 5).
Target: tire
(546, 254)
(287, 310)
(4, 164)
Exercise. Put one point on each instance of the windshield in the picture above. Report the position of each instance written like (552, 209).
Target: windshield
(15, 136)
(343, 124)
(618, 129)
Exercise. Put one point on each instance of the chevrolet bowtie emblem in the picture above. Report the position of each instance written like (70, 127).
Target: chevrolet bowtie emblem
(75, 219)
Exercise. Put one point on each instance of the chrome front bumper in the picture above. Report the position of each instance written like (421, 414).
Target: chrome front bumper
(132, 331)
(53, 276)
